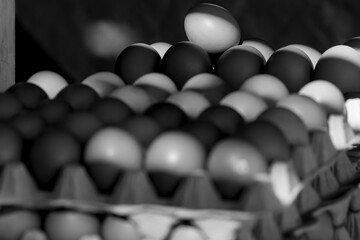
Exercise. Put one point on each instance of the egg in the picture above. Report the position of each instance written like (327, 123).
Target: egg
(78, 96)
(290, 124)
(212, 27)
(186, 232)
(262, 46)
(10, 105)
(206, 132)
(175, 152)
(134, 97)
(169, 116)
(268, 139)
(70, 225)
(224, 117)
(266, 86)
(292, 66)
(157, 85)
(170, 157)
(15, 223)
(354, 43)
(161, 47)
(11, 144)
(50, 152)
(312, 53)
(326, 94)
(81, 124)
(51, 82)
(116, 228)
(191, 102)
(53, 110)
(30, 125)
(103, 82)
(30, 95)
(111, 111)
(184, 60)
(239, 63)
(209, 85)
(108, 152)
(340, 65)
(143, 128)
(135, 61)
(233, 164)
(310, 112)
(248, 105)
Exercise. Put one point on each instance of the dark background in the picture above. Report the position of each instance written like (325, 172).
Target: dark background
(52, 34)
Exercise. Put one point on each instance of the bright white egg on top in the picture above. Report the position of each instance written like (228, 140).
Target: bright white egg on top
(212, 27)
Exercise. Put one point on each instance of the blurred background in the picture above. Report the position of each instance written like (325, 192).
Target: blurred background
(81, 37)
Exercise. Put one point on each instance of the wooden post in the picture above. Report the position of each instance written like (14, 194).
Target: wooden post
(7, 43)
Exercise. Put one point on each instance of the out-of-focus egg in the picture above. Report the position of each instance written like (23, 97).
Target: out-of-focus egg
(209, 85)
(236, 161)
(50, 152)
(116, 228)
(248, 105)
(110, 151)
(15, 223)
(158, 85)
(191, 102)
(310, 112)
(224, 117)
(29, 94)
(266, 86)
(175, 152)
(78, 96)
(288, 123)
(70, 225)
(103, 82)
(9, 106)
(134, 97)
(111, 111)
(168, 115)
(326, 94)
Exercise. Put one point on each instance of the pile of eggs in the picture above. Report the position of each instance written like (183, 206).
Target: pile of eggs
(214, 105)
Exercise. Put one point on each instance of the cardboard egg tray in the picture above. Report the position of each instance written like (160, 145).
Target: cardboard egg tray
(330, 198)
